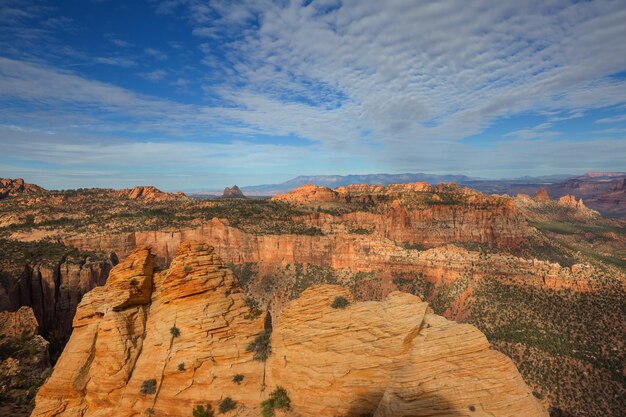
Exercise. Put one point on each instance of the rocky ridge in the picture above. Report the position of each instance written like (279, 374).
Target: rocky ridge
(413, 213)
(163, 342)
(151, 193)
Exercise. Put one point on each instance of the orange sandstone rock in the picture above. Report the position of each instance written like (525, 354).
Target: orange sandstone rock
(160, 343)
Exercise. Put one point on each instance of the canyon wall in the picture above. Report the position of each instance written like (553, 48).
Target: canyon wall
(162, 343)
(415, 213)
(53, 290)
(359, 253)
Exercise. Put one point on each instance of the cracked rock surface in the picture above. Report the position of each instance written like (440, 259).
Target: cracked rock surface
(160, 343)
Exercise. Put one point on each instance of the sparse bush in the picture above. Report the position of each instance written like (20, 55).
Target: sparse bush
(187, 269)
(340, 302)
(148, 386)
(238, 378)
(261, 346)
(278, 400)
(227, 404)
(200, 411)
(175, 331)
(181, 367)
(255, 311)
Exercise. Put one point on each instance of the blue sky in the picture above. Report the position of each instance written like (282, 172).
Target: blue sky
(197, 95)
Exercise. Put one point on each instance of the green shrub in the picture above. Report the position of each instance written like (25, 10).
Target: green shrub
(175, 331)
(278, 400)
(181, 367)
(340, 302)
(238, 378)
(261, 346)
(148, 386)
(187, 269)
(227, 404)
(200, 411)
(255, 311)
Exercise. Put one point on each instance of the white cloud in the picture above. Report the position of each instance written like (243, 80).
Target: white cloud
(409, 70)
(392, 84)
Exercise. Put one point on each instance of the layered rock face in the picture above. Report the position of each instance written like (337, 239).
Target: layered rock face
(53, 291)
(359, 253)
(414, 213)
(10, 187)
(161, 343)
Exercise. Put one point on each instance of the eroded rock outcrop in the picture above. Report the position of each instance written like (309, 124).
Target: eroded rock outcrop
(232, 192)
(151, 193)
(542, 195)
(53, 290)
(413, 213)
(12, 187)
(162, 342)
(18, 323)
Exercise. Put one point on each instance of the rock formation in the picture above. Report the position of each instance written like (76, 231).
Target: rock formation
(151, 193)
(233, 192)
(53, 290)
(414, 213)
(10, 187)
(24, 361)
(162, 343)
(542, 195)
(18, 323)
(570, 201)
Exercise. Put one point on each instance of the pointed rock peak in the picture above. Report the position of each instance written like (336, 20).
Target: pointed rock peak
(542, 195)
(232, 192)
(570, 201)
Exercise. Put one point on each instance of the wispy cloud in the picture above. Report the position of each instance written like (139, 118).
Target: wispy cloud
(613, 119)
(116, 61)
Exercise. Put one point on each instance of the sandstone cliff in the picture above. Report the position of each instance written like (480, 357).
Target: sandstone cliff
(10, 187)
(161, 343)
(53, 290)
(417, 213)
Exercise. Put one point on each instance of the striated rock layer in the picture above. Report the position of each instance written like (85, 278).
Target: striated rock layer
(161, 343)
(414, 213)
(53, 291)
(359, 253)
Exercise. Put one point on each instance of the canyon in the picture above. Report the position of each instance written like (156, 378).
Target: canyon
(150, 342)
(467, 254)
